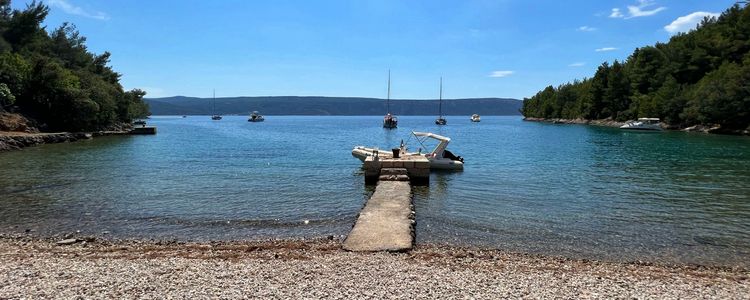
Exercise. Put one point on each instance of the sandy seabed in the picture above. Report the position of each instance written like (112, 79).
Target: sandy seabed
(34, 267)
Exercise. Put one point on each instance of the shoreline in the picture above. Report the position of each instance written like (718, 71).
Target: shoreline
(40, 267)
(13, 140)
(617, 124)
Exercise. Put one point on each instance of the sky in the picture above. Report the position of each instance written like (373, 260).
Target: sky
(481, 48)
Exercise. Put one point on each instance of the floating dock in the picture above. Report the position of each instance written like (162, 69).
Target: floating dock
(386, 223)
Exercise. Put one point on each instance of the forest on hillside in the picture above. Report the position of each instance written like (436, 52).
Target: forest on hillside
(52, 78)
(698, 78)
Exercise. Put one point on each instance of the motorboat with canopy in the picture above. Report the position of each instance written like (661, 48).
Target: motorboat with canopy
(440, 158)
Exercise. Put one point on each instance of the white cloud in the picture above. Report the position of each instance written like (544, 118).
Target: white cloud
(501, 73)
(586, 28)
(635, 11)
(689, 22)
(605, 49)
(69, 8)
(577, 64)
(616, 13)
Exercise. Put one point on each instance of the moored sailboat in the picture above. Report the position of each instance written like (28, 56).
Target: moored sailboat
(214, 116)
(389, 121)
(440, 120)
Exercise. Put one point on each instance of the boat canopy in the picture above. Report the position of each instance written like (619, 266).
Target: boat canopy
(648, 119)
(438, 151)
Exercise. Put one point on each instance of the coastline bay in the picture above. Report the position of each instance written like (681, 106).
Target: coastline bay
(575, 191)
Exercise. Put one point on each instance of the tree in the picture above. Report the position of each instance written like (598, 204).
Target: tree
(53, 78)
(699, 77)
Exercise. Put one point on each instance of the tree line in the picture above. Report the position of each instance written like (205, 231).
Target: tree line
(699, 77)
(52, 78)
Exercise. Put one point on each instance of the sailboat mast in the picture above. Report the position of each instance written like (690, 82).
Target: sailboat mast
(388, 100)
(441, 97)
(213, 109)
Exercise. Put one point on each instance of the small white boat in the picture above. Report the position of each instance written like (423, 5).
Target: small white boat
(440, 158)
(645, 124)
(390, 121)
(475, 118)
(256, 117)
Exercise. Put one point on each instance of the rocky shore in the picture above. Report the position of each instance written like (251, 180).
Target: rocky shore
(17, 132)
(611, 123)
(604, 122)
(88, 268)
(17, 140)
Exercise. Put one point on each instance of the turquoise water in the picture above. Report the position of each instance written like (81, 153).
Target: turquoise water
(570, 190)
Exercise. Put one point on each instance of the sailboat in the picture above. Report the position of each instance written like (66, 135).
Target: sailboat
(213, 109)
(389, 121)
(440, 120)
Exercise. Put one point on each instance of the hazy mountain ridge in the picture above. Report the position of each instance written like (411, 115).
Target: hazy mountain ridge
(317, 105)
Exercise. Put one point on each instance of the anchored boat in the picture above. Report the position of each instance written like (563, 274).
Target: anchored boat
(256, 117)
(389, 121)
(214, 116)
(475, 118)
(646, 124)
(440, 158)
(440, 120)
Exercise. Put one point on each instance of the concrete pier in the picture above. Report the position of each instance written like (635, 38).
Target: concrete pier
(386, 223)
(417, 168)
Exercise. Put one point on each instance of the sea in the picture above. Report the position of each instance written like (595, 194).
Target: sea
(572, 191)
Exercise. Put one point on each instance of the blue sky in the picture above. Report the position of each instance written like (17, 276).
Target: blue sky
(502, 48)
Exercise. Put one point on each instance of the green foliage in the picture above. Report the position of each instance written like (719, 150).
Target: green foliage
(54, 78)
(700, 77)
(6, 97)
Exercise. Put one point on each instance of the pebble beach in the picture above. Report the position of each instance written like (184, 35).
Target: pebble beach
(35, 267)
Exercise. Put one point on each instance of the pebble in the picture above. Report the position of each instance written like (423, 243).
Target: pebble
(67, 242)
(320, 269)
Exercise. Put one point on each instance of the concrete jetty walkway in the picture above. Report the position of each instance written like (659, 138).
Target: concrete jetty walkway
(386, 223)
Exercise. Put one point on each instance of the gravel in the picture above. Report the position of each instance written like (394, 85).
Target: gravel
(39, 268)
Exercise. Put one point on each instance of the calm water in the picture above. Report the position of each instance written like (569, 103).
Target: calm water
(567, 190)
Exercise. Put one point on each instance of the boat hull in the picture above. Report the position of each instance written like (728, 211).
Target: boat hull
(653, 128)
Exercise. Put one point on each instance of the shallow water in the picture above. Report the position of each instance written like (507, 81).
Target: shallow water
(572, 190)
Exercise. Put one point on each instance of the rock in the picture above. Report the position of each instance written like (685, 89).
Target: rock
(67, 242)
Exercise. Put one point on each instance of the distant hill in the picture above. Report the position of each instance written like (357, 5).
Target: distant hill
(290, 105)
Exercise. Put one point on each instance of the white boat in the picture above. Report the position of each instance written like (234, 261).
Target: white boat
(256, 117)
(389, 121)
(440, 120)
(646, 124)
(475, 118)
(440, 158)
